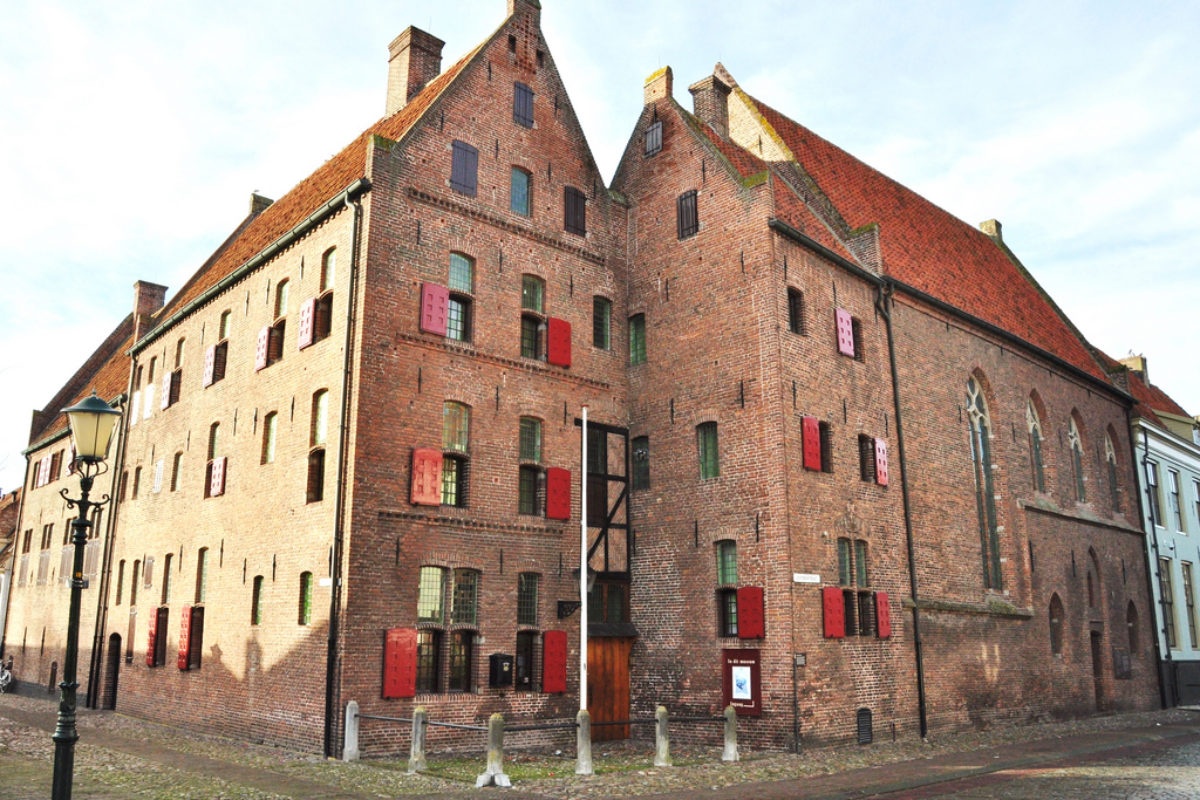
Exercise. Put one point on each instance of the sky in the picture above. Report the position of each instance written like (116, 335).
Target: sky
(134, 132)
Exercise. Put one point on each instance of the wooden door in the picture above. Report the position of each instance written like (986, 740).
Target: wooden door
(608, 686)
(108, 698)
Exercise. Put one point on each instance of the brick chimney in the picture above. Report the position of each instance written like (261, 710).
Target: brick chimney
(259, 204)
(710, 102)
(992, 228)
(415, 58)
(148, 299)
(530, 8)
(658, 86)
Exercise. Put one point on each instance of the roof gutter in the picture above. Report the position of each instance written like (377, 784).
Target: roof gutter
(312, 220)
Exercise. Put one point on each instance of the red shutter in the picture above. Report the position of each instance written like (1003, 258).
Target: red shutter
(883, 615)
(307, 315)
(881, 472)
(811, 436)
(209, 360)
(185, 631)
(260, 352)
(435, 302)
(554, 661)
(426, 477)
(217, 485)
(152, 643)
(750, 613)
(558, 493)
(400, 663)
(845, 332)
(833, 612)
(558, 342)
(166, 390)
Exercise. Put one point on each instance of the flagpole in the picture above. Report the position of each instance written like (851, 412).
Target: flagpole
(583, 566)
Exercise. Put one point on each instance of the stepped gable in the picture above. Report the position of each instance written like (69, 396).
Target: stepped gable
(932, 250)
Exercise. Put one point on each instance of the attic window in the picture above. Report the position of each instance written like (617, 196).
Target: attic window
(522, 105)
(512, 43)
(541, 59)
(654, 137)
(464, 167)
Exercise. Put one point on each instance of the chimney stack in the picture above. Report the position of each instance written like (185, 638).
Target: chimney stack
(415, 58)
(710, 102)
(1137, 364)
(259, 203)
(533, 8)
(658, 86)
(992, 228)
(148, 299)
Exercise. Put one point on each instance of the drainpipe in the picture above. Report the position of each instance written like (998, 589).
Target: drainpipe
(884, 297)
(333, 660)
(1161, 655)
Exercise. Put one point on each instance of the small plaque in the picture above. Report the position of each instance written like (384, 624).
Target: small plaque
(805, 577)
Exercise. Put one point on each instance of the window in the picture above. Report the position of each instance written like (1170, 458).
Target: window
(1076, 445)
(601, 322)
(1174, 501)
(533, 321)
(533, 291)
(1189, 602)
(458, 308)
(464, 610)
(175, 470)
(137, 481)
(328, 269)
(315, 491)
(464, 601)
(455, 434)
(706, 446)
(306, 587)
(574, 211)
(201, 574)
(979, 429)
(429, 645)
(641, 462)
(135, 579)
(524, 661)
(256, 601)
(527, 598)
(462, 649)
(431, 592)
(519, 192)
(1168, 600)
(215, 469)
(279, 326)
(173, 382)
(1056, 625)
(866, 458)
(796, 323)
(120, 576)
(1110, 460)
(522, 105)
(849, 334)
(1034, 425)
(216, 356)
(531, 495)
(857, 601)
(687, 221)
(166, 579)
(1154, 496)
(637, 339)
(323, 310)
(654, 137)
(464, 168)
(727, 578)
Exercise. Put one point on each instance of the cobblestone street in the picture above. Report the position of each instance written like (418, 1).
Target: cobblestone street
(1137, 756)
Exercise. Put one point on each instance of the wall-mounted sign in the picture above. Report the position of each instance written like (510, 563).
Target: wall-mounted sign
(742, 681)
(805, 577)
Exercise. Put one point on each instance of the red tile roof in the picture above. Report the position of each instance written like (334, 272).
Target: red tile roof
(106, 371)
(931, 250)
(795, 212)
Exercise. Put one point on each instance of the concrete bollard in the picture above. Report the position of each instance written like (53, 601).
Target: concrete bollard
(583, 743)
(416, 752)
(662, 740)
(731, 748)
(494, 775)
(350, 740)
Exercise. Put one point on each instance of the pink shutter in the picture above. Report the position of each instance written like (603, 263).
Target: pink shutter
(750, 616)
(881, 469)
(558, 493)
(883, 615)
(217, 485)
(307, 315)
(166, 391)
(833, 612)
(152, 644)
(185, 637)
(845, 332)
(558, 342)
(426, 477)
(435, 301)
(810, 430)
(554, 661)
(261, 349)
(210, 360)
(400, 663)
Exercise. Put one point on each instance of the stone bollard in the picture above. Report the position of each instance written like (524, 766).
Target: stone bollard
(731, 749)
(416, 753)
(494, 775)
(583, 743)
(350, 740)
(662, 740)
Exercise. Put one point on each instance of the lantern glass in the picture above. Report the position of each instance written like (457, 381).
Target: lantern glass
(92, 424)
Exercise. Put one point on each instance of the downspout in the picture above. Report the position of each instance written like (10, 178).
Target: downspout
(16, 548)
(332, 660)
(96, 665)
(1162, 655)
(885, 292)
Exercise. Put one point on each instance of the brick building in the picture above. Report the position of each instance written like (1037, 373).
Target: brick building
(822, 414)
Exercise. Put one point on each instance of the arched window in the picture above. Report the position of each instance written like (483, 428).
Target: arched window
(1076, 445)
(456, 424)
(462, 287)
(1056, 625)
(323, 309)
(270, 426)
(1034, 425)
(315, 491)
(279, 325)
(1110, 460)
(985, 494)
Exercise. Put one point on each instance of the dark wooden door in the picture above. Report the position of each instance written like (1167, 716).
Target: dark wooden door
(108, 698)
(608, 686)
(1097, 671)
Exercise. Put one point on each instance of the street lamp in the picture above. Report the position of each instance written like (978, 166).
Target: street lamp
(92, 423)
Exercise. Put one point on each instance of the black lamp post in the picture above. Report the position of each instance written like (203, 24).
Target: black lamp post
(92, 424)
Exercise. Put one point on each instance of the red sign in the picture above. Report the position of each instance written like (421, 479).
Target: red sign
(741, 679)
